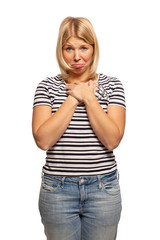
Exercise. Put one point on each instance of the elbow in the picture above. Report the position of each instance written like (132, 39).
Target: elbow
(113, 144)
(40, 143)
(42, 146)
(114, 141)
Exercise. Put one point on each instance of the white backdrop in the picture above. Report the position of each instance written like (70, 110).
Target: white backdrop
(128, 34)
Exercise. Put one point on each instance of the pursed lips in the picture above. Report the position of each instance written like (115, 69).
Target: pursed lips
(77, 65)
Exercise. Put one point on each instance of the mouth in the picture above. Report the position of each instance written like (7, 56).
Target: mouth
(77, 65)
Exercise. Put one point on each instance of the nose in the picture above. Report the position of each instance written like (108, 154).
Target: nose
(76, 55)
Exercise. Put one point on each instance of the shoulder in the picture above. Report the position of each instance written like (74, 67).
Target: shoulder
(109, 82)
(47, 89)
(111, 90)
(51, 82)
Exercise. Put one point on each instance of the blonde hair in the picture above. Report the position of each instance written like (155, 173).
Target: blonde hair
(82, 28)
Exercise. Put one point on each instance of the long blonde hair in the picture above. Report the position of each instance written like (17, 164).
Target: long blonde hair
(81, 28)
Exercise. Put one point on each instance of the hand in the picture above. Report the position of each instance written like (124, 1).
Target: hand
(94, 84)
(81, 91)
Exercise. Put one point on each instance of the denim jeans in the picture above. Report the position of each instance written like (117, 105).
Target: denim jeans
(80, 208)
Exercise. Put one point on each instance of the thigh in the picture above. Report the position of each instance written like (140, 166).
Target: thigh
(58, 209)
(102, 210)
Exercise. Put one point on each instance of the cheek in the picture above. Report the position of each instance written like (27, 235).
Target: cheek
(67, 57)
(88, 58)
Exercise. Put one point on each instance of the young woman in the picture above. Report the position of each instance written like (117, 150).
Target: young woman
(79, 119)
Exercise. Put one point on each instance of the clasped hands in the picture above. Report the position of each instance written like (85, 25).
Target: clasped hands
(82, 91)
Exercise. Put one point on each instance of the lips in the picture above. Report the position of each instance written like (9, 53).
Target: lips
(77, 65)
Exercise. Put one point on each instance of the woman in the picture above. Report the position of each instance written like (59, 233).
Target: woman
(79, 118)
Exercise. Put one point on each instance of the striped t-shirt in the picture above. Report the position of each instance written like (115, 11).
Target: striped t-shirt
(79, 152)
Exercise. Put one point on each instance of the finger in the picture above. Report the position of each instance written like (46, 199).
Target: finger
(68, 92)
(90, 83)
(93, 84)
(96, 83)
(68, 86)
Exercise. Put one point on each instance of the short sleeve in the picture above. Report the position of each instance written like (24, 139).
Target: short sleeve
(42, 96)
(117, 94)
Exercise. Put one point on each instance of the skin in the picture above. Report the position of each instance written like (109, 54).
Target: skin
(78, 55)
(109, 127)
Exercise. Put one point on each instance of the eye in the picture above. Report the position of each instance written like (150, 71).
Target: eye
(84, 48)
(68, 49)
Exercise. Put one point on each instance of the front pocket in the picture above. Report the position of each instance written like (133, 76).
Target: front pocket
(50, 185)
(111, 187)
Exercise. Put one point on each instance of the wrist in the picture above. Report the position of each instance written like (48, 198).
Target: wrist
(73, 100)
(89, 99)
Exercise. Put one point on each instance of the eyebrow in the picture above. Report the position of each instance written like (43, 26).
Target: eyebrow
(69, 44)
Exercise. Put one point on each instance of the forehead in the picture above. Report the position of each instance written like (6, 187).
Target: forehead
(75, 41)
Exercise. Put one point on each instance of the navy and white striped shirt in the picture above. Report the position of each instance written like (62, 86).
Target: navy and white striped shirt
(79, 152)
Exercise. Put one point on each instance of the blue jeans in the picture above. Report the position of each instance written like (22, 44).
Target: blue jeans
(80, 208)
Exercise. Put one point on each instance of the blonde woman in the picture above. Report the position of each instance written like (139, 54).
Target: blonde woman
(79, 119)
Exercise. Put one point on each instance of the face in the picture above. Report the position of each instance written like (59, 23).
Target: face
(78, 55)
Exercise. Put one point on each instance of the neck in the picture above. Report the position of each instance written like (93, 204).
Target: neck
(75, 78)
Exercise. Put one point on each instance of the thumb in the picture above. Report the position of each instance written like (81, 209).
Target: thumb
(90, 83)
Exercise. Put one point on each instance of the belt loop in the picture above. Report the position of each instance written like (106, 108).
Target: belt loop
(117, 174)
(63, 182)
(79, 183)
(100, 184)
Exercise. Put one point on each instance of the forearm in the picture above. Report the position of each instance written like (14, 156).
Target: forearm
(54, 127)
(108, 127)
(104, 127)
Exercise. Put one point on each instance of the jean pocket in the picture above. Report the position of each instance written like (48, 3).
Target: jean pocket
(111, 186)
(50, 185)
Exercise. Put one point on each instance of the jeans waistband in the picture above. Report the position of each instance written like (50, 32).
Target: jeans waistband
(82, 179)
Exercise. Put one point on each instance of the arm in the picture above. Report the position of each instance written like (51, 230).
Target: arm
(108, 127)
(48, 128)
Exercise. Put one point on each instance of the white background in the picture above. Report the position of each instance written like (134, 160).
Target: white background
(128, 34)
